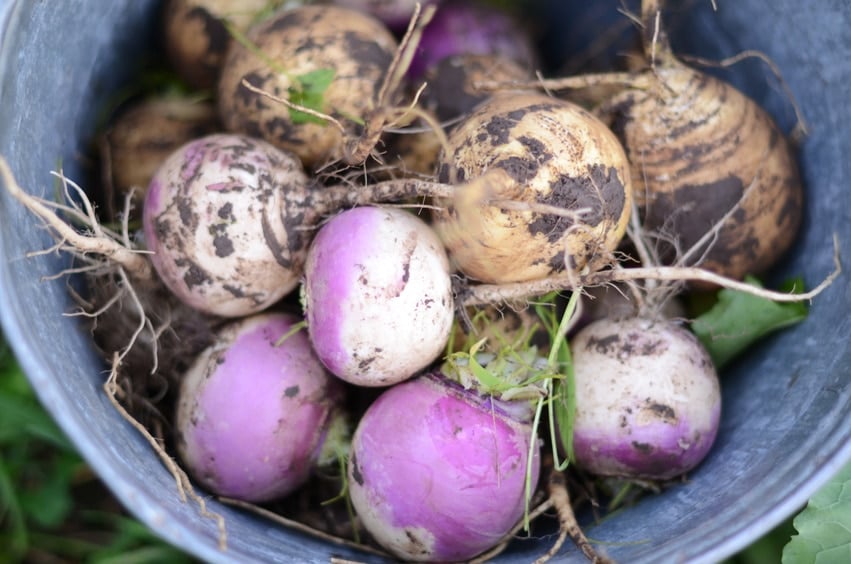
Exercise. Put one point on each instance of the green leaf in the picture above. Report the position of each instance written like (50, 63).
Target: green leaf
(824, 526)
(309, 92)
(48, 500)
(738, 319)
(13, 527)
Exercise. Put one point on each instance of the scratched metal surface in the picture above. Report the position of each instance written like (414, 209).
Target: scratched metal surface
(787, 405)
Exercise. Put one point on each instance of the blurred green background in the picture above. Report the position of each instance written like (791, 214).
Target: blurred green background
(53, 509)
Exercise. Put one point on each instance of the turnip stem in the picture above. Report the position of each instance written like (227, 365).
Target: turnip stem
(331, 199)
(495, 293)
(576, 82)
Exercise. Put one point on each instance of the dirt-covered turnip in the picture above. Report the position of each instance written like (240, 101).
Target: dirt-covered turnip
(716, 180)
(144, 134)
(256, 415)
(215, 222)
(377, 295)
(437, 472)
(196, 36)
(561, 198)
(648, 400)
(328, 58)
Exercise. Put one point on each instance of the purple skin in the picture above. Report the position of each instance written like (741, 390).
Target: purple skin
(437, 472)
(377, 295)
(464, 27)
(217, 218)
(396, 14)
(253, 417)
(648, 401)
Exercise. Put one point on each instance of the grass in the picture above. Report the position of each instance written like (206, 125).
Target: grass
(53, 509)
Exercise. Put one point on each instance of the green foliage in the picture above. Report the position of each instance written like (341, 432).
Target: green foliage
(309, 91)
(44, 484)
(739, 319)
(824, 526)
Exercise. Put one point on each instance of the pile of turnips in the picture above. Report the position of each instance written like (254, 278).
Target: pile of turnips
(348, 249)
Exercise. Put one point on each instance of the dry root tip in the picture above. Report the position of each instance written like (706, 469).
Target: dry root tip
(484, 294)
(184, 486)
(298, 526)
(568, 526)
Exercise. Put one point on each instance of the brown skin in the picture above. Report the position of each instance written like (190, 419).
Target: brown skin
(140, 138)
(357, 47)
(519, 151)
(197, 39)
(701, 150)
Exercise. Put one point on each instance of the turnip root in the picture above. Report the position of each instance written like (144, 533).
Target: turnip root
(470, 27)
(714, 175)
(437, 472)
(256, 416)
(196, 35)
(141, 137)
(648, 399)
(328, 58)
(561, 200)
(377, 295)
(212, 220)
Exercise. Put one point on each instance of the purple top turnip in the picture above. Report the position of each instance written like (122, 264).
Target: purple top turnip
(254, 416)
(648, 400)
(377, 295)
(396, 14)
(214, 219)
(468, 27)
(437, 472)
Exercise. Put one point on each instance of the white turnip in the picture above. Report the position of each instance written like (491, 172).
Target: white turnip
(648, 399)
(212, 220)
(254, 416)
(377, 295)
(438, 472)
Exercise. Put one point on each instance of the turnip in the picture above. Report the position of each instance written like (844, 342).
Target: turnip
(396, 14)
(142, 135)
(329, 59)
(438, 472)
(452, 90)
(377, 295)
(717, 178)
(256, 415)
(212, 221)
(548, 190)
(471, 27)
(648, 400)
(228, 219)
(196, 35)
